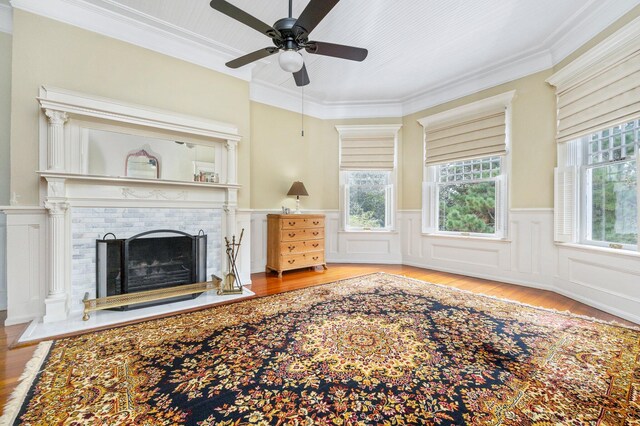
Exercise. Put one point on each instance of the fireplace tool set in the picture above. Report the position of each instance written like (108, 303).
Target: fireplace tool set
(231, 283)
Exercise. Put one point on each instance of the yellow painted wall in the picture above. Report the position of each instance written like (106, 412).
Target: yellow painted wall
(533, 148)
(47, 52)
(280, 155)
(5, 115)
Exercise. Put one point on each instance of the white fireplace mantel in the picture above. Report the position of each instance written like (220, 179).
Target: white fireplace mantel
(63, 189)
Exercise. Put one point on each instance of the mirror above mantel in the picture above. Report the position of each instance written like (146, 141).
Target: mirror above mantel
(117, 154)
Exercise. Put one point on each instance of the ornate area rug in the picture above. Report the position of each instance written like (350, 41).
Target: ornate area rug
(378, 349)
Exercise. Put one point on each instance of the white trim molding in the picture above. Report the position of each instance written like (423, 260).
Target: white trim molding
(132, 26)
(6, 19)
(80, 104)
(607, 53)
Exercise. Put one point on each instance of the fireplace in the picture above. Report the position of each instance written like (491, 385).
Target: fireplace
(150, 260)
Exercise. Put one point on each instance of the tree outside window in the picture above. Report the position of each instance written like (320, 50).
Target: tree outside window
(368, 199)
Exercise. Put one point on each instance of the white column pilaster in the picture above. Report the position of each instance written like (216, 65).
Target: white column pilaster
(56, 204)
(55, 139)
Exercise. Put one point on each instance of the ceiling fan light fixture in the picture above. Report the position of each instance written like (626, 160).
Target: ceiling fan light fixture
(290, 61)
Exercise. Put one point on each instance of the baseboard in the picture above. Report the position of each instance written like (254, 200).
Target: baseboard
(595, 304)
(18, 320)
(502, 279)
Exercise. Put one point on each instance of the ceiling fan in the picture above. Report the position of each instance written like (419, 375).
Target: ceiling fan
(290, 35)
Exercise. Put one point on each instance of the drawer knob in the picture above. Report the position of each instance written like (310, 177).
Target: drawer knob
(315, 222)
(315, 233)
(316, 245)
(291, 262)
(291, 248)
(315, 257)
(291, 223)
(292, 234)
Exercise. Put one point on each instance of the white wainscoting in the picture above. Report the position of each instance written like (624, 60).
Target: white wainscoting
(525, 258)
(26, 272)
(3, 262)
(600, 278)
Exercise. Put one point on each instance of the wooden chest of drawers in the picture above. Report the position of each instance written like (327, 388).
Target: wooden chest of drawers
(294, 241)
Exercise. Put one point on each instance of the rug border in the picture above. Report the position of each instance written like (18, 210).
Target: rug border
(31, 371)
(567, 313)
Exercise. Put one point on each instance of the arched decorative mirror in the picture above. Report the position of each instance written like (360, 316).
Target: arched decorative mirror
(141, 164)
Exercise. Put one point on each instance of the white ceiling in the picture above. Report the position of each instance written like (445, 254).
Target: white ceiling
(420, 51)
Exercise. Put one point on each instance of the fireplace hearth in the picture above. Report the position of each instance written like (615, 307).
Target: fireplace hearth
(150, 260)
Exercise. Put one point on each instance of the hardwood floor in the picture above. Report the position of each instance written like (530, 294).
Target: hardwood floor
(12, 361)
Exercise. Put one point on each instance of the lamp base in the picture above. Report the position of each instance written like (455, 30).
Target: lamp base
(297, 206)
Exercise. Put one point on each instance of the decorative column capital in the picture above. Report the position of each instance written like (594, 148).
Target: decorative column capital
(232, 145)
(56, 207)
(56, 117)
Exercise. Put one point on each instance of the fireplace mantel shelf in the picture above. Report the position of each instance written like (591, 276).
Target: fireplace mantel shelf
(123, 179)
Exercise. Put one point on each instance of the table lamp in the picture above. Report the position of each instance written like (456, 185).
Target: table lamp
(297, 189)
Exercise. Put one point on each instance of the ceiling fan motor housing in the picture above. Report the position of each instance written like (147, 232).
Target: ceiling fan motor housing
(292, 37)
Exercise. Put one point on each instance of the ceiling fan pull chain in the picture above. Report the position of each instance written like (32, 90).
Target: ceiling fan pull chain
(302, 114)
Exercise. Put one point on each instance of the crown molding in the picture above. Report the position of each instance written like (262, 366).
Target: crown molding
(126, 24)
(6, 19)
(148, 32)
(587, 23)
(291, 100)
(478, 81)
(605, 54)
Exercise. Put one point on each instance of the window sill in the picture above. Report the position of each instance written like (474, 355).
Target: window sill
(368, 231)
(468, 237)
(597, 249)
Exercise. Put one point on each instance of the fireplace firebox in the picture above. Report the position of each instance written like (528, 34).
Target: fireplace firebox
(150, 260)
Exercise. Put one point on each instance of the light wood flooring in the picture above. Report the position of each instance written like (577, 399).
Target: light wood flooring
(13, 359)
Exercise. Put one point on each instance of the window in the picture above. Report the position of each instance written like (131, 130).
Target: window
(367, 176)
(466, 193)
(609, 176)
(598, 125)
(466, 159)
(368, 199)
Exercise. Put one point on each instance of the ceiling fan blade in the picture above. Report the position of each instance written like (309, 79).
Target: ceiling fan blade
(315, 11)
(301, 77)
(242, 16)
(337, 50)
(250, 57)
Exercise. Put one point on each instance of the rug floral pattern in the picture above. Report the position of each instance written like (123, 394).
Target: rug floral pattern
(378, 349)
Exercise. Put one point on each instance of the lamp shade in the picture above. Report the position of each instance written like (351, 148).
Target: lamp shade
(290, 61)
(297, 189)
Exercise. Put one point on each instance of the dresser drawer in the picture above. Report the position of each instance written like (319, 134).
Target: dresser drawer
(302, 223)
(302, 234)
(293, 247)
(300, 260)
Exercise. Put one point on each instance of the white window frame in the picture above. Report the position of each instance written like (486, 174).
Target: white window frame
(374, 131)
(430, 195)
(431, 202)
(570, 211)
(573, 154)
(390, 202)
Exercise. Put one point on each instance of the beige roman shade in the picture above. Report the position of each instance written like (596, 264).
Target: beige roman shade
(608, 98)
(469, 136)
(367, 153)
